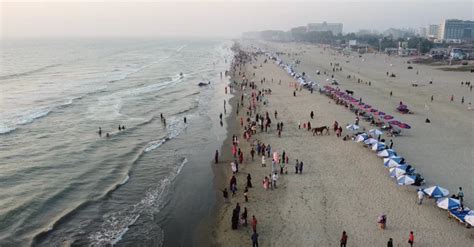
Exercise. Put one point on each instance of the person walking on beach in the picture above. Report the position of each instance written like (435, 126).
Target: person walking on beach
(344, 238)
(297, 166)
(411, 238)
(391, 144)
(244, 217)
(252, 153)
(421, 195)
(249, 181)
(216, 157)
(390, 242)
(254, 239)
(301, 167)
(253, 223)
(274, 179)
(311, 115)
(263, 161)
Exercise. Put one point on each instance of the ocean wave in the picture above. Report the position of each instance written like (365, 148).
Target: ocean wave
(5, 129)
(117, 224)
(125, 180)
(154, 145)
(4, 77)
(181, 48)
(35, 114)
(109, 106)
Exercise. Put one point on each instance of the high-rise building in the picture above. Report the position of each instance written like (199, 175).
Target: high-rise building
(335, 28)
(453, 29)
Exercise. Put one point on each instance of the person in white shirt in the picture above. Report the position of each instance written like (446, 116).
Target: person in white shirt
(275, 178)
(421, 195)
(263, 161)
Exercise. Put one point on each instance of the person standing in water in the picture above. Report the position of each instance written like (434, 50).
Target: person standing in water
(216, 157)
(100, 132)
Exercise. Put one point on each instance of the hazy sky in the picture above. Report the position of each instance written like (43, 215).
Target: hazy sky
(214, 18)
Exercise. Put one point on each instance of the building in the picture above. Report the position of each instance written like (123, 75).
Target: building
(453, 29)
(399, 33)
(422, 32)
(433, 31)
(335, 28)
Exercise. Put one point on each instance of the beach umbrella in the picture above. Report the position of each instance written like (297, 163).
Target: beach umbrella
(380, 113)
(469, 218)
(361, 137)
(379, 146)
(370, 141)
(394, 122)
(448, 203)
(392, 161)
(373, 110)
(397, 171)
(404, 126)
(406, 179)
(367, 106)
(387, 153)
(375, 132)
(352, 127)
(387, 117)
(436, 191)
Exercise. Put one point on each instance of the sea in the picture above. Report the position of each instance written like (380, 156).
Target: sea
(62, 184)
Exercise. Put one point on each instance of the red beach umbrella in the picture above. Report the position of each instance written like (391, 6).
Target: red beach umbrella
(394, 122)
(404, 126)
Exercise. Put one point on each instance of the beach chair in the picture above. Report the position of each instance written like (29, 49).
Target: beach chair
(459, 215)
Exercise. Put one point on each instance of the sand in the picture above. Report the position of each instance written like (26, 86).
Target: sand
(344, 186)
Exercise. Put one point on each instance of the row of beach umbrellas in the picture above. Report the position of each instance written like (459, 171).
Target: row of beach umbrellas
(404, 175)
(365, 107)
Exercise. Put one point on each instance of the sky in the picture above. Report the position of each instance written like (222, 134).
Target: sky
(193, 18)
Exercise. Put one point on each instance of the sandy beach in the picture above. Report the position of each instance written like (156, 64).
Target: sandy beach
(344, 186)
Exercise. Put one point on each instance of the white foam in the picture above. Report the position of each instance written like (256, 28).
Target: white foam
(125, 180)
(154, 145)
(33, 116)
(5, 129)
(115, 225)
